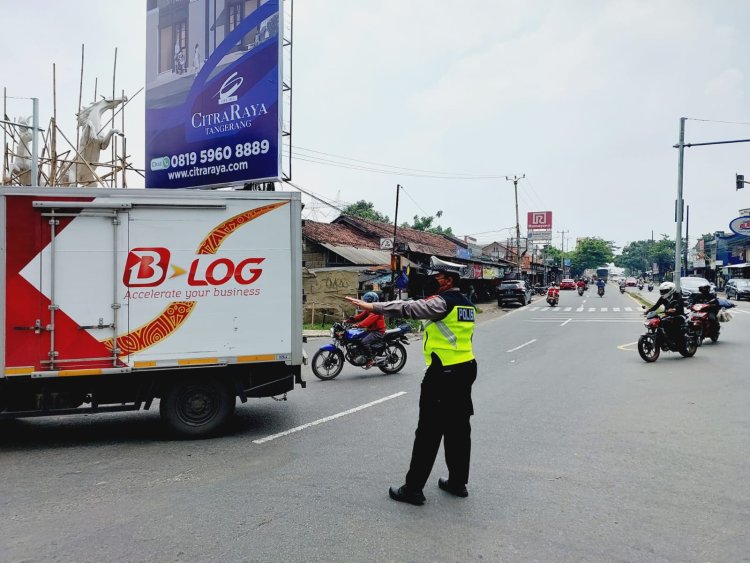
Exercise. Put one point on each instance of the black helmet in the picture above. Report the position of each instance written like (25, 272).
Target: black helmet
(705, 289)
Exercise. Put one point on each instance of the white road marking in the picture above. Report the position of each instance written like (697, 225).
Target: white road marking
(579, 309)
(326, 419)
(556, 308)
(616, 309)
(628, 309)
(604, 309)
(568, 309)
(521, 346)
(592, 309)
(566, 322)
(545, 308)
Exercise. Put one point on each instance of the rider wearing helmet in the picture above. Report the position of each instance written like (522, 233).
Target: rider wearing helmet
(704, 295)
(373, 322)
(674, 308)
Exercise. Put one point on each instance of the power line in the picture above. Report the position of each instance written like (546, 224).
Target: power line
(450, 174)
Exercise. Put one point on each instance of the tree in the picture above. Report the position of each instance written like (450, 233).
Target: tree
(366, 210)
(639, 256)
(591, 253)
(424, 224)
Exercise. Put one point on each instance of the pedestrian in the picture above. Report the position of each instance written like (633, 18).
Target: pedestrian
(445, 405)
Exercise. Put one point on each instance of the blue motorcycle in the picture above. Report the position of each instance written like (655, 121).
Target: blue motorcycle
(389, 353)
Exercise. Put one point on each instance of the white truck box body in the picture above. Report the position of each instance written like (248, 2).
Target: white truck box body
(140, 279)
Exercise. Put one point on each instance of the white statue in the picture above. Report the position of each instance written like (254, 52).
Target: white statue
(92, 140)
(20, 166)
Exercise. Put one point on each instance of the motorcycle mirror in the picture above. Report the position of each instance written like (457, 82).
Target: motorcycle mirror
(643, 306)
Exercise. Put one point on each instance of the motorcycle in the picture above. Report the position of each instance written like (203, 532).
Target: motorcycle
(580, 290)
(622, 288)
(389, 353)
(701, 323)
(640, 287)
(650, 287)
(601, 291)
(651, 344)
(553, 298)
(540, 290)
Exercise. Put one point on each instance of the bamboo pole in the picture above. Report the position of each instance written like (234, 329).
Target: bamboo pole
(80, 96)
(113, 151)
(53, 129)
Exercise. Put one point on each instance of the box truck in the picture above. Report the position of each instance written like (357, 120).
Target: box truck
(111, 298)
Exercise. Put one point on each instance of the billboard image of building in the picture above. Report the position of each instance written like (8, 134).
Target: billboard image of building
(213, 92)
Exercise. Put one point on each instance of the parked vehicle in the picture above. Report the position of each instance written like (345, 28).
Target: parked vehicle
(568, 283)
(390, 354)
(114, 298)
(513, 291)
(655, 340)
(702, 324)
(738, 289)
(690, 285)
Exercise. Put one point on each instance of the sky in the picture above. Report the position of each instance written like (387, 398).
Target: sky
(583, 97)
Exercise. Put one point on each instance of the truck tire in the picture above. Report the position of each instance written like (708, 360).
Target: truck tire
(197, 407)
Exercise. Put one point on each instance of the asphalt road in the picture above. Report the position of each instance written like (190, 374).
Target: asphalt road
(582, 452)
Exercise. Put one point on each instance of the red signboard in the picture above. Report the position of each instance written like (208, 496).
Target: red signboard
(541, 220)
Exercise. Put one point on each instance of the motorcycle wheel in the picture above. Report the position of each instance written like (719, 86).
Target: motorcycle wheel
(327, 364)
(690, 347)
(395, 358)
(647, 348)
(715, 337)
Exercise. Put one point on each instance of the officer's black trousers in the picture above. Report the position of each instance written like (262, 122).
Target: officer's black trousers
(445, 408)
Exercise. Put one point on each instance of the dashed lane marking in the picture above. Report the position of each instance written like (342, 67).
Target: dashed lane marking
(627, 347)
(521, 346)
(326, 419)
(566, 322)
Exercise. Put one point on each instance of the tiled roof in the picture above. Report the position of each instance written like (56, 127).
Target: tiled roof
(419, 241)
(338, 234)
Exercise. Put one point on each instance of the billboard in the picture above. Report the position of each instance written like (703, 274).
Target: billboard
(539, 220)
(213, 92)
(740, 226)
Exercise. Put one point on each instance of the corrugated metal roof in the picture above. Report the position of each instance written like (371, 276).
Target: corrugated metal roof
(360, 256)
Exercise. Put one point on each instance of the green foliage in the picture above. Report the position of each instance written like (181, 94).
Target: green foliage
(366, 210)
(590, 253)
(639, 256)
(425, 223)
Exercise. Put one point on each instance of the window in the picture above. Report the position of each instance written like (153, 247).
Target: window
(235, 12)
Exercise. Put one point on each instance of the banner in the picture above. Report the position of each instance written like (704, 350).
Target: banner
(539, 220)
(213, 92)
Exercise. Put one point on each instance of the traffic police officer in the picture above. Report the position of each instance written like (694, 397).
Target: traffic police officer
(445, 405)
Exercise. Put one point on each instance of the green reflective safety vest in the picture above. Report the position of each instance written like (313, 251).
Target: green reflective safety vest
(450, 337)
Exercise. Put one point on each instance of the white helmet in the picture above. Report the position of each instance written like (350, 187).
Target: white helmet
(666, 289)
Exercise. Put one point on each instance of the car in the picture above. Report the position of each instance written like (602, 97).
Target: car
(631, 282)
(738, 288)
(513, 291)
(568, 283)
(690, 285)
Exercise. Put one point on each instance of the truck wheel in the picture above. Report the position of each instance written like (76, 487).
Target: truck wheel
(197, 407)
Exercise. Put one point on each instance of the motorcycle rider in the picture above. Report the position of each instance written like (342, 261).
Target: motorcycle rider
(674, 308)
(704, 295)
(371, 321)
(553, 292)
(600, 285)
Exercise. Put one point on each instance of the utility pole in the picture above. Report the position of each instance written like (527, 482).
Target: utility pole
(393, 247)
(687, 237)
(562, 247)
(515, 179)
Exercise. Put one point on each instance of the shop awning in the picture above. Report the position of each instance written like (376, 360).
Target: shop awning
(743, 265)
